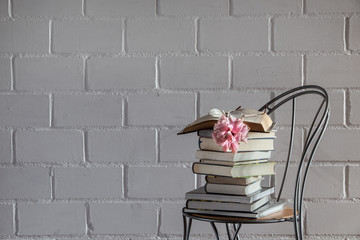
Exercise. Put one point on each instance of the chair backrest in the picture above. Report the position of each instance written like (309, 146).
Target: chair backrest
(313, 136)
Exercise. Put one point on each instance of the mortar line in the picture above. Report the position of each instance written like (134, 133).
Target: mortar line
(85, 73)
(157, 146)
(346, 35)
(50, 36)
(83, 6)
(13, 147)
(303, 7)
(12, 73)
(230, 9)
(51, 110)
(16, 219)
(124, 106)
(10, 9)
(124, 182)
(230, 72)
(303, 69)
(197, 35)
(197, 105)
(157, 8)
(270, 35)
(157, 73)
(52, 183)
(158, 219)
(347, 108)
(346, 182)
(123, 36)
(88, 224)
(85, 147)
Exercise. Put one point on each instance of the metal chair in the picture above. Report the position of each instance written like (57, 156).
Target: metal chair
(313, 137)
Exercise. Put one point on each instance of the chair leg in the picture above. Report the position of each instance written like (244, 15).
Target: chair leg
(236, 232)
(228, 231)
(215, 230)
(187, 228)
(234, 225)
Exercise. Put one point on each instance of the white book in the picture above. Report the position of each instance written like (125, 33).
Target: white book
(233, 189)
(251, 145)
(235, 157)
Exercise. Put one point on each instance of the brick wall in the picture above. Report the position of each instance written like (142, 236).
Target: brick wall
(92, 93)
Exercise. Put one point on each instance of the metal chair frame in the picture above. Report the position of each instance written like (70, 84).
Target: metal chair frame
(314, 135)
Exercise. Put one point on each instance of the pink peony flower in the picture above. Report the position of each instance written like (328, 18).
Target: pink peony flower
(229, 131)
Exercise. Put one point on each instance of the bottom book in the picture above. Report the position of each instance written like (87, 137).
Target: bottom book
(264, 211)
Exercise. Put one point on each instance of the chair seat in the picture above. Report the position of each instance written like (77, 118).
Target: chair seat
(284, 215)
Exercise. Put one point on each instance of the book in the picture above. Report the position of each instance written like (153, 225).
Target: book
(251, 145)
(232, 181)
(244, 170)
(263, 211)
(231, 163)
(233, 189)
(207, 133)
(227, 206)
(256, 121)
(229, 156)
(200, 194)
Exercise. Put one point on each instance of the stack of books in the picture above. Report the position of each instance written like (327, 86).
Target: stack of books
(233, 180)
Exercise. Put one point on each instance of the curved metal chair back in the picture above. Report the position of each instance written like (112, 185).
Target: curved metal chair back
(312, 139)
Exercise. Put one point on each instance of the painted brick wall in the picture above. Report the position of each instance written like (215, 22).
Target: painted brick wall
(92, 93)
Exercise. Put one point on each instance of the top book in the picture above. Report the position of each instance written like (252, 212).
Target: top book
(256, 121)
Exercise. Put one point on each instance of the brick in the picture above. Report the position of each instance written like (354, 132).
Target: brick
(90, 183)
(332, 6)
(281, 145)
(308, 34)
(333, 71)
(320, 218)
(193, 7)
(87, 110)
(354, 35)
(170, 150)
(194, 72)
(4, 9)
(164, 109)
(322, 182)
(21, 36)
(6, 220)
(122, 146)
(354, 181)
(51, 218)
(160, 35)
(49, 73)
(121, 73)
(114, 8)
(148, 182)
(172, 221)
(5, 146)
(58, 146)
(24, 183)
(265, 6)
(354, 110)
(87, 36)
(124, 218)
(52, 8)
(5, 70)
(307, 106)
(233, 35)
(335, 139)
(267, 71)
(230, 101)
(24, 110)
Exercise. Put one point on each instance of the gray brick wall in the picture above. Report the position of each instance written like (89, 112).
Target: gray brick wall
(93, 92)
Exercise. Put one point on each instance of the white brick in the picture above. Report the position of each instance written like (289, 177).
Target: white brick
(233, 35)
(6, 220)
(179, 148)
(122, 146)
(335, 139)
(115, 8)
(308, 34)
(174, 109)
(49, 73)
(194, 72)
(193, 7)
(267, 71)
(324, 218)
(354, 181)
(5, 76)
(21, 36)
(4, 8)
(172, 221)
(124, 218)
(58, 146)
(333, 71)
(281, 144)
(24, 183)
(160, 35)
(121, 73)
(88, 183)
(159, 182)
(231, 101)
(307, 106)
(87, 110)
(322, 182)
(266, 6)
(52, 8)
(332, 6)
(354, 109)
(354, 34)
(87, 36)
(51, 218)
(5, 146)
(24, 110)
